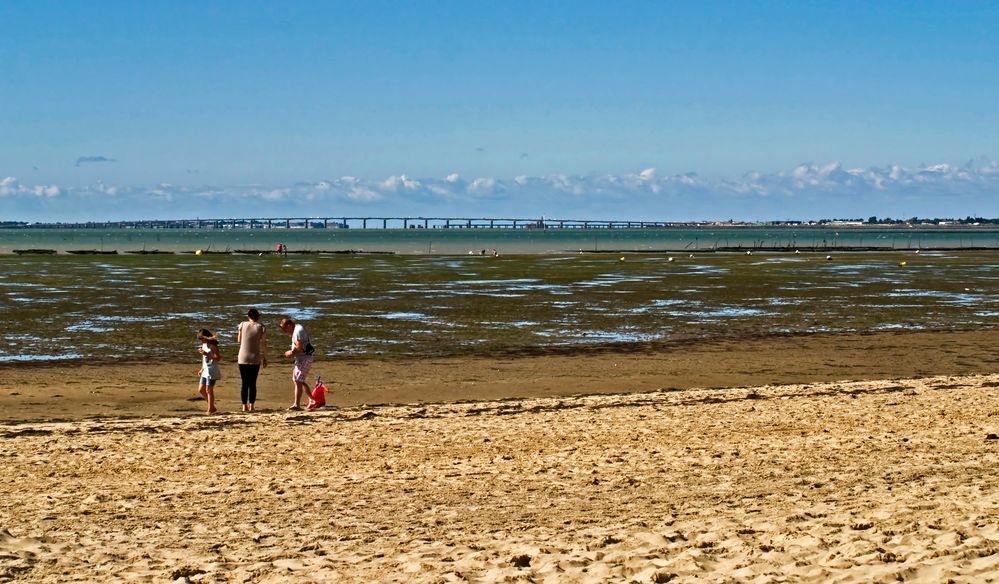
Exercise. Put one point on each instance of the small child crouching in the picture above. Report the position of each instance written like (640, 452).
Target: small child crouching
(318, 399)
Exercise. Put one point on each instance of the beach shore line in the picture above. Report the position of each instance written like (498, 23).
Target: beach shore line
(68, 391)
(879, 480)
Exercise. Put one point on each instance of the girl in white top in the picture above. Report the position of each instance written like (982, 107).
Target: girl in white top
(210, 371)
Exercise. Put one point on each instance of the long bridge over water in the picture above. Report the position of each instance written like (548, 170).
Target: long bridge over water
(341, 222)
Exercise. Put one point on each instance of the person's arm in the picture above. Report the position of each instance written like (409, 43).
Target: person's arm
(297, 348)
(213, 353)
(239, 333)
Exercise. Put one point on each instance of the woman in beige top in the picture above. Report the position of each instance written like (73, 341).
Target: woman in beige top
(252, 339)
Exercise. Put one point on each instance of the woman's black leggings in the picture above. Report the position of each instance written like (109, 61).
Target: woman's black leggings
(248, 373)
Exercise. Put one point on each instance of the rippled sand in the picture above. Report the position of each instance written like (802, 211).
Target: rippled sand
(834, 481)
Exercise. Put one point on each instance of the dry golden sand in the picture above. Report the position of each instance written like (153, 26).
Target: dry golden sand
(864, 481)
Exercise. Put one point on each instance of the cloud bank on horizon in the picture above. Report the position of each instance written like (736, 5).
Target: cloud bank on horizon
(808, 191)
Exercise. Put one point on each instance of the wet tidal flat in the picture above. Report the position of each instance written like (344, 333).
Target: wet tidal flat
(146, 308)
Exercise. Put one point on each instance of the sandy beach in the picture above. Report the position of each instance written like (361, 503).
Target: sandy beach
(862, 458)
(837, 481)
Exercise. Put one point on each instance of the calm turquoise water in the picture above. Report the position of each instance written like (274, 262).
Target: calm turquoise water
(461, 241)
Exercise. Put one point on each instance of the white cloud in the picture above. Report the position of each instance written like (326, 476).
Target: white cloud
(275, 194)
(100, 187)
(11, 187)
(805, 191)
(8, 186)
(483, 184)
(47, 191)
(399, 183)
(359, 192)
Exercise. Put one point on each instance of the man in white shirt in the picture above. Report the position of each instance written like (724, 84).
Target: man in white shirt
(301, 350)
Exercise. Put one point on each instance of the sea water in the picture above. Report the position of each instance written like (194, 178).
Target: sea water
(506, 241)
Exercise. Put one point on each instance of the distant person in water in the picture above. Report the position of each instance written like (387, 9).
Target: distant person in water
(210, 371)
(301, 351)
(252, 339)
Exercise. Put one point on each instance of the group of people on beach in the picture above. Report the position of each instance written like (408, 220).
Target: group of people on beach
(251, 335)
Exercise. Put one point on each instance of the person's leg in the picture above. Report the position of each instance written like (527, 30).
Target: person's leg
(253, 373)
(210, 391)
(244, 385)
(294, 389)
(300, 375)
(298, 379)
(301, 389)
(203, 387)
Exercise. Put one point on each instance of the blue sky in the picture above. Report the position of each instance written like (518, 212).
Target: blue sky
(118, 109)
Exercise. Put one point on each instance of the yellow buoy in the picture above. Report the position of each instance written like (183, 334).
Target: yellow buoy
(620, 259)
(903, 263)
(199, 252)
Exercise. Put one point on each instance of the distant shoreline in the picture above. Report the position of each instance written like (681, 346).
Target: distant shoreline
(461, 223)
(317, 252)
(461, 240)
